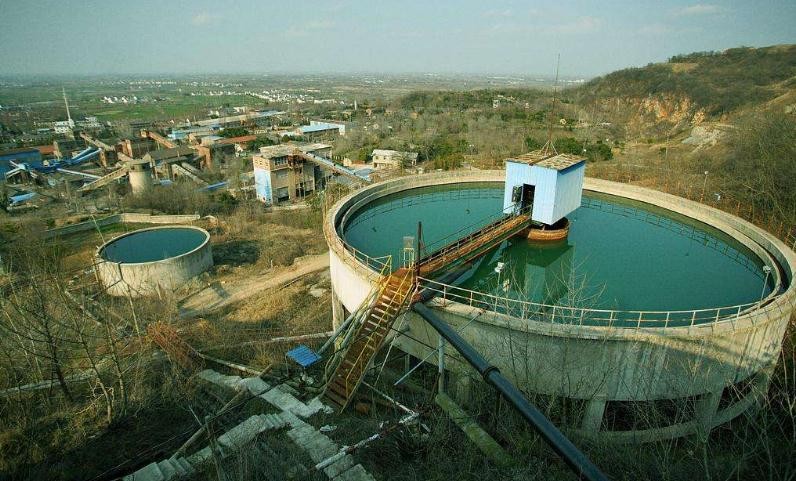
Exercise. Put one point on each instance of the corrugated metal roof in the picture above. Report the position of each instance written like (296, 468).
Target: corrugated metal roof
(20, 198)
(281, 150)
(170, 153)
(531, 157)
(19, 153)
(561, 161)
(318, 127)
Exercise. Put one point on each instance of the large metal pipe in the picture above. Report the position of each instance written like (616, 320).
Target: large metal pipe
(575, 459)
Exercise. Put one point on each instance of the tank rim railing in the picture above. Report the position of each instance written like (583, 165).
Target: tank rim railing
(589, 317)
(422, 199)
(376, 264)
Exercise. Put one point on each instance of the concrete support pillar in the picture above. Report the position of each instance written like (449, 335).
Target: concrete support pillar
(441, 364)
(593, 416)
(463, 387)
(705, 411)
(761, 384)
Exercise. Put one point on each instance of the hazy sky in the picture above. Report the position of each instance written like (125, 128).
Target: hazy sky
(142, 36)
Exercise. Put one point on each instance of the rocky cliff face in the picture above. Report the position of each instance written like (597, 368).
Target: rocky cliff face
(652, 116)
(672, 97)
(670, 109)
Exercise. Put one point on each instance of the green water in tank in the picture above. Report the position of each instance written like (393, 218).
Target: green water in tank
(153, 245)
(620, 254)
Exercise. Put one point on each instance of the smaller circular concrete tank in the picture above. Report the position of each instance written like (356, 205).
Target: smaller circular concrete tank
(140, 173)
(145, 261)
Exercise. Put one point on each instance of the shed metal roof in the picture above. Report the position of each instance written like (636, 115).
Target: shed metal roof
(303, 356)
(318, 127)
(548, 160)
(170, 153)
(561, 161)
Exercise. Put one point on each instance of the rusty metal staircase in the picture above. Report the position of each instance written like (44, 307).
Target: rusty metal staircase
(375, 317)
(368, 336)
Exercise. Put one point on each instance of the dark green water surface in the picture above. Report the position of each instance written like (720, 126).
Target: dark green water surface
(153, 245)
(620, 254)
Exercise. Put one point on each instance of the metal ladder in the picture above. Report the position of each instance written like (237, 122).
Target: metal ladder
(392, 297)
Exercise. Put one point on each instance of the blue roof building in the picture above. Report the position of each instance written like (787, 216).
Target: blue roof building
(26, 155)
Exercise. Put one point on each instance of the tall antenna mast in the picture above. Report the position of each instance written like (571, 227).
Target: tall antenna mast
(549, 146)
(66, 102)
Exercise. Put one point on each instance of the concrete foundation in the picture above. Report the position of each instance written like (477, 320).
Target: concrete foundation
(601, 364)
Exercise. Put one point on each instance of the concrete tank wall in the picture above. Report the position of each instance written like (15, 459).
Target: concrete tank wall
(147, 278)
(596, 363)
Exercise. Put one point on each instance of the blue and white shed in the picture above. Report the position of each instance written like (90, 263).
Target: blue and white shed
(552, 185)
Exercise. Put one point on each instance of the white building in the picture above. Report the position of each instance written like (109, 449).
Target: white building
(393, 159)
(89, 123)
(64, 126)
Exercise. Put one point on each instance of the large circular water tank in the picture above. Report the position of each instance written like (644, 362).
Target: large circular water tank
(621, 254)
(144, 261)
(653, 299)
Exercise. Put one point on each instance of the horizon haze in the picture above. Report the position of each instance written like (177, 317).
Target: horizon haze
(203, 37)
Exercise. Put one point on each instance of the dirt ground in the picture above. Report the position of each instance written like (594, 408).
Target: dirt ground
(220, 294)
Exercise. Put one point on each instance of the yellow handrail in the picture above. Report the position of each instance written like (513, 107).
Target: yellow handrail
(400, 295)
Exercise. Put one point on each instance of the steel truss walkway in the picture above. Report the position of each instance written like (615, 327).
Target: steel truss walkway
(334, 167)
(374, 319)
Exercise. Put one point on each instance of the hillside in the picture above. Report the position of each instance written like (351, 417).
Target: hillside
(689, 89)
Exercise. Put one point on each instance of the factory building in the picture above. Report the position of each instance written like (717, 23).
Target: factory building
(66, 147)
(169, 156)
(280, 175)
(243, 119)
(393, 159)
(191, 133)
(317, 130)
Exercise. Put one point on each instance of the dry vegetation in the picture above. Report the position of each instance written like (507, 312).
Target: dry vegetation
(50, 329)
(136, 405)
(64, 432)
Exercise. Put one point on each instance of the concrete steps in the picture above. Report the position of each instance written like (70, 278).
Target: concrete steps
(276, 396)
(320, 447)
(315, 444)
(240, 436)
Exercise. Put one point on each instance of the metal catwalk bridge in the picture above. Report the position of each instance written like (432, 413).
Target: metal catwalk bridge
(371, 323)
(334, 167)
